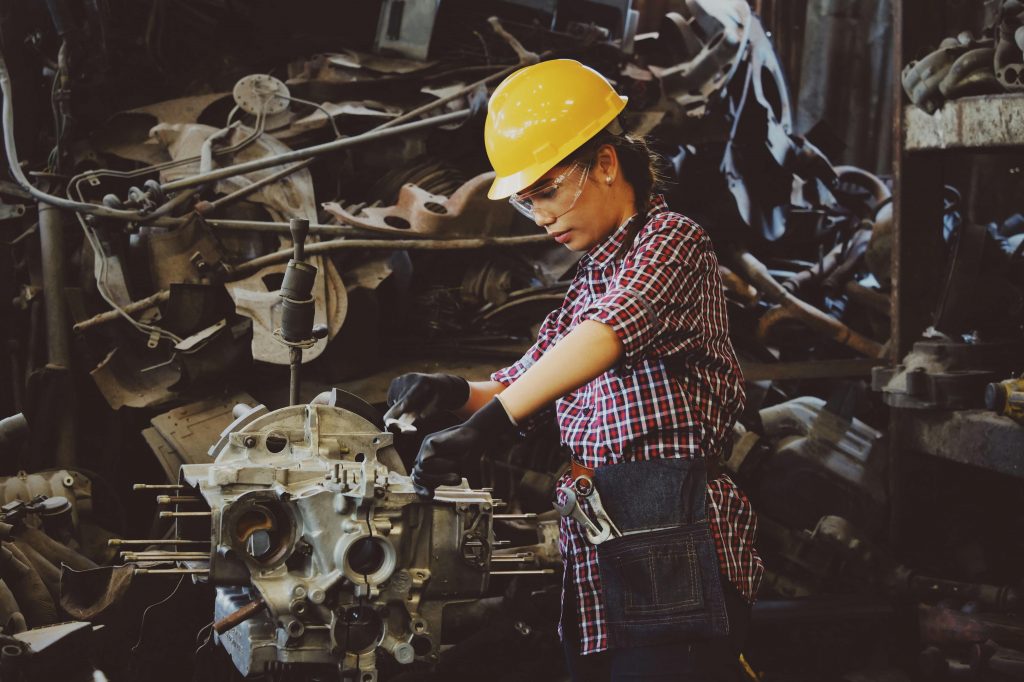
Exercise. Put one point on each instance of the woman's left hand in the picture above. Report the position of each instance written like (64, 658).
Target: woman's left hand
(443, 455)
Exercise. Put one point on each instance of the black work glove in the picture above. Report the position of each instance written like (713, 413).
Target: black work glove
(423, 396)
(444, 454)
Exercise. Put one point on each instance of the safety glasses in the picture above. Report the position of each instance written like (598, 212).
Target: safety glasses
(554, 197)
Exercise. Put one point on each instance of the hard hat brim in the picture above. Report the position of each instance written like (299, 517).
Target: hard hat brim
(505, 186)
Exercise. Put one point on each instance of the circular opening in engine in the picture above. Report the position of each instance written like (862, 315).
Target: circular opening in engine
(275, 442)
(366, 556)
(259, 530)
(421, 645)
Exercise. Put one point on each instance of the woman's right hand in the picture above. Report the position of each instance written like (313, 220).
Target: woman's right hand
(416, 396)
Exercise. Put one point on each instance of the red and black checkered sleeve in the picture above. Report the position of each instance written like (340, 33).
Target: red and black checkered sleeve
(654, 304)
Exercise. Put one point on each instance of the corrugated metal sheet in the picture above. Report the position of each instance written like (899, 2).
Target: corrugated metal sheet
(846, 77)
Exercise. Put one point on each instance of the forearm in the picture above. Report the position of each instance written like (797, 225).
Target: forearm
(586, 352)
(480, 393)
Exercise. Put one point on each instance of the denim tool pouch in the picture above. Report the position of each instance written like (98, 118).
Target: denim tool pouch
(660, 579)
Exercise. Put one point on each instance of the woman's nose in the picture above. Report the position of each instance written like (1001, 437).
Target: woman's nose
(542, 220)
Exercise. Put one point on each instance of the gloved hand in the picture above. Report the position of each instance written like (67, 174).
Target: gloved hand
(444, 454)
(422, 396)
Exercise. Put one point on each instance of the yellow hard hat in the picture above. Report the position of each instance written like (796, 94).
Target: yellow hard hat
(539, 115)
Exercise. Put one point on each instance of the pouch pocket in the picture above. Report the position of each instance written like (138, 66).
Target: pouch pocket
(661, 586)
(659, 578)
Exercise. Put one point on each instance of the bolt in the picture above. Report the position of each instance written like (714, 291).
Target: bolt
(69, 481)
(249, 442)
(299, 592)
(294, 628)
(317, 595)
(404, 653)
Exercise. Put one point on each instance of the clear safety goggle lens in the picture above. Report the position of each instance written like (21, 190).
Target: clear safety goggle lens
(555, 197)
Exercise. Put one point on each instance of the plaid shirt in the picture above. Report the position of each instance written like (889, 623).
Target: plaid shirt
(664, 300)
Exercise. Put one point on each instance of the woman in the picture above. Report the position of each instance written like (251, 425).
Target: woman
(645, 383)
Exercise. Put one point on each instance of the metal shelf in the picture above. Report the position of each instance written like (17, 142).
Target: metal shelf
(987, 122)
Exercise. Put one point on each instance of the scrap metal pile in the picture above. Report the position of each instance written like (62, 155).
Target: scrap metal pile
(145, 271)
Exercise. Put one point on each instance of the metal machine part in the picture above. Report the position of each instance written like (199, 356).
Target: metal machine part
(313, 516)
(945, 374)
(61, 483)
(822, 461)
(1009, 53)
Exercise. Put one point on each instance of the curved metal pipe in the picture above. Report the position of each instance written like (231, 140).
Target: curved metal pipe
(789, 306)
(878, 188)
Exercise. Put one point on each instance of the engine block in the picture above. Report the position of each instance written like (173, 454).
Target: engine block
(316, 530)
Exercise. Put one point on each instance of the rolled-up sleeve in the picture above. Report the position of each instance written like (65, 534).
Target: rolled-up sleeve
(653, 306)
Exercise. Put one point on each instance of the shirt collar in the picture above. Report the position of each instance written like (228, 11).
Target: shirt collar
(602, 253)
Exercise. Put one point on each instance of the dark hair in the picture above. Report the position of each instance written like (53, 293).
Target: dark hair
(641, 166)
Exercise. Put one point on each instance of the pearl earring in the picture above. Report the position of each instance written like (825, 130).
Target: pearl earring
(608, 179)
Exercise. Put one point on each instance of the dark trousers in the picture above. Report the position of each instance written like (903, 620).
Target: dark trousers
(708, 660)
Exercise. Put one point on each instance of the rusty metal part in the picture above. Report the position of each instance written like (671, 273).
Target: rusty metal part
(791, 307)
(240, 616)
(468, 212)
(133, 307)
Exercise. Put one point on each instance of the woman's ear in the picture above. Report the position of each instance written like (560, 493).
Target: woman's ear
(606, 164)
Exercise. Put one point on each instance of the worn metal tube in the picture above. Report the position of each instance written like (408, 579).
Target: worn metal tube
(243, 614)
(789, 306)
(58, 333)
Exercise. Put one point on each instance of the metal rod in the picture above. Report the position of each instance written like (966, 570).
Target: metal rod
(332, 245)
(164, 556)
(512, 559)
(155, 486)
(179, 514)
(176, 499)
(117, 542)
(271, 226)
(294, 367)
(133, 307)
(539, 571)
(316, 150)
(170, 571)
(240, 616)
(206, 207)
(512, 517)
